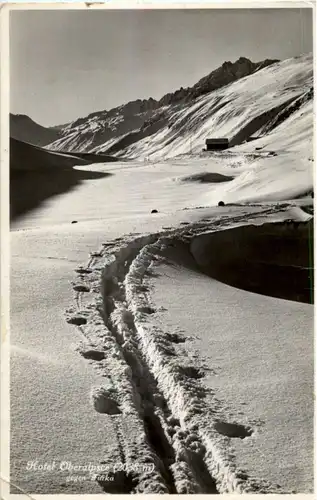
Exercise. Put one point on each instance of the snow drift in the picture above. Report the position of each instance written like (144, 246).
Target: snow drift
(272, 259)
(284, 177)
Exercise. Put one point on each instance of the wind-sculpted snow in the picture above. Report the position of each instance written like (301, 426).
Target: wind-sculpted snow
(166, 417)
(271, 259)
(283, 177)
(203, 439)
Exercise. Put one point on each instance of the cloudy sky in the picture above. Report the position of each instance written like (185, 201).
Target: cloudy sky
(67, 64)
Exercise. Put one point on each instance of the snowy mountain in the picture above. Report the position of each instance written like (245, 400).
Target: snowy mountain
(102, 129)
(23, 128)
(260, 106)
(267, 116)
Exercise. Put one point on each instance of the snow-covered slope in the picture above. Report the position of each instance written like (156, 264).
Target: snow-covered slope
(85, 134)
(27, 157)
(284, 176)
(25, 129)
(238, 111)
(183, 381)
(268, 117)
(98, 131)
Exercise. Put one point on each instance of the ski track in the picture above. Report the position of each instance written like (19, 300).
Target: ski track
(182, 443)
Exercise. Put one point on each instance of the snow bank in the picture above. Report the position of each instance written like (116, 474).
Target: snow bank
(276, 178)
(253, 352)
(271, 259)
(185, 395)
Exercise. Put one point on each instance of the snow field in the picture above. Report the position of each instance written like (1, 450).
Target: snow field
(177, 420)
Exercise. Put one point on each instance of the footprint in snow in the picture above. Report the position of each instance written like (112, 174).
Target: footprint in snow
(147, 310)
(191, 372)
(95, 254)
(81, 288)
(233, 430)
(93, 354)
(175, 338)
(76, 320)
(83, 270)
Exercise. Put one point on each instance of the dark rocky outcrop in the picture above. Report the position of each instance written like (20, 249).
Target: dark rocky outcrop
(225, 74)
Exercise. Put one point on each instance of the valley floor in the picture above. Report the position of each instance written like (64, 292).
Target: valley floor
(125, 351)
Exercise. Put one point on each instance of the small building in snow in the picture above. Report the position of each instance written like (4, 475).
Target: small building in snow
(220, 143)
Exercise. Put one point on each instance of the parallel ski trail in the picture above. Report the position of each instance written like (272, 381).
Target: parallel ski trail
(171, 412)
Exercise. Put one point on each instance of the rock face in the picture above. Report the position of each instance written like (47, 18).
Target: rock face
(23, 128)
(100, 131)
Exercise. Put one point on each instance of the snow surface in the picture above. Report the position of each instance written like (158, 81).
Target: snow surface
(101, 372)
(256, 353)
(56, 420)
(90, 407)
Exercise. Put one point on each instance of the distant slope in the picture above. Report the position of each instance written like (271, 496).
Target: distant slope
(23, 128)
(37, 174)
(99, 130)
(89, 157)
(253, 106)
(85, 134)
(25, 156)
(287, 175)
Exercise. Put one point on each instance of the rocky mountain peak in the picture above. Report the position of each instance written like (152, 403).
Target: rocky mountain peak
(87, 133)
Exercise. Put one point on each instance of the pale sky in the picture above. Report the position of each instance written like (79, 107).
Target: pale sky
(67, 64)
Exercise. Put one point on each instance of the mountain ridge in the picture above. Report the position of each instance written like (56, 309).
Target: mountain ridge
(92, 131)
(227, 93)
(245, 109)
(25, 129)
